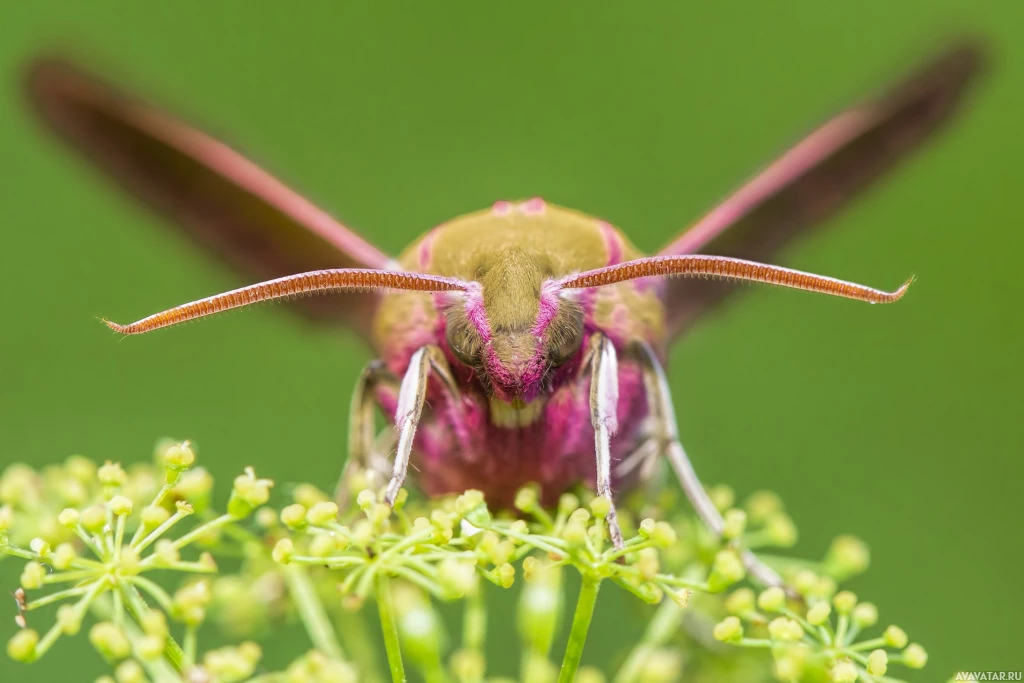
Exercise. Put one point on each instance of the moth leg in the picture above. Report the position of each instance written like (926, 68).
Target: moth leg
(363, 450)
(667, 435)
(412, 395)
(604, 398)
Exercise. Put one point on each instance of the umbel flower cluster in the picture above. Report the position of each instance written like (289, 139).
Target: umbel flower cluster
(167, 588)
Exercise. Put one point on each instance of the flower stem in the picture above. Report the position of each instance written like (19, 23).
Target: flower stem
(390, 629)
(580, 625)
(665, 623)
(311, 610)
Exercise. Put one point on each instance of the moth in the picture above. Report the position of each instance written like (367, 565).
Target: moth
(521, 343)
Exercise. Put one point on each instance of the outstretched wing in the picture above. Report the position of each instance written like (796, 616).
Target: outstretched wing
(223, 201)
(818, 176)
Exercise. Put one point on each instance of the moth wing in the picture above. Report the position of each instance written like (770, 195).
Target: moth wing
(227, 204)
(818, 176)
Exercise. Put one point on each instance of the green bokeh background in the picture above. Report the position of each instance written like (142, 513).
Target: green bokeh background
(901, 424)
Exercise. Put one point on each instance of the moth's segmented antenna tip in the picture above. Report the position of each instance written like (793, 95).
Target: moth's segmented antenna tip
(120, 329)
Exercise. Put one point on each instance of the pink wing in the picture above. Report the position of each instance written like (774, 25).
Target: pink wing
(818, 176)
(226, 203)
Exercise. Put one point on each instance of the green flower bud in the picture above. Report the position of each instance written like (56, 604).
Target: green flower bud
(895, 637)
(179, 456)
(735, 523)
(32, 576)
(39, 547)
(153, 516)
(457, 578)
(363, 534)
(22, 646)
(165, 552)
(567, 503)
(600, 507)
(722, 497)
(762, 505)
(110, 640)
(308, 495)
(785, 630)
(647, 563)
(93, 519)
(772, 599)
(915, 656)
(780, 530)
(844, 672)
(589, 674)
(294, 516)
(790, 663)
(728, 630)
(266, 518)
(379, 514)
(519, 527)
(229, 664)
(506, 575)
(468, 665)
(81, 468)
(878, 662)
(323, 545)
(846, 557)
(819, 613)
(727, 570)
(366, 499)
(662, 666)
(805, 581)
(283, 551)
(740, 602)
(190, 602)
(121, 505)
(322, 513)
(154, 623)
(646, 528)
(6, 518)
(112, 474)
(469, 501)
(865, 615)
(575, 534)
(195, 485)
(68, 517)
(663, 535)
(844, 602)
(248, 493)
(681, 596)
(63, 556)
(69, 620)
(130, 671)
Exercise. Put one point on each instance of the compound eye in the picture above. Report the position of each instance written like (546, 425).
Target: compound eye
(464, 344)
(566, 338)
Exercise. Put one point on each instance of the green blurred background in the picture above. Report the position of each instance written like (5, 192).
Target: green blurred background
(901, 424)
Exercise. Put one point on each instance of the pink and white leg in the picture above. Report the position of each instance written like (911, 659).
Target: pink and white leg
(666, 437)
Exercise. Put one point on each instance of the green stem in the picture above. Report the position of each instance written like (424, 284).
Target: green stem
(665, 623)
(312, 613)
(390, 629)
(351, 626)
(580, 625)
(138, 608)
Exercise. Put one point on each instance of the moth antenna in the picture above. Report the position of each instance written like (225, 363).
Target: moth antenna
(726, 268)
(337, 280)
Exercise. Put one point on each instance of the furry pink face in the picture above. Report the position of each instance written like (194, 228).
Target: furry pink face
(515, 363)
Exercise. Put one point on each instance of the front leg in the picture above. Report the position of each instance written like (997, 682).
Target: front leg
(412, 395)
(666, 440)
(361, 431)
(604, 399)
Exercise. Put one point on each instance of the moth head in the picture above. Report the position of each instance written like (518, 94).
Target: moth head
(516, 362)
